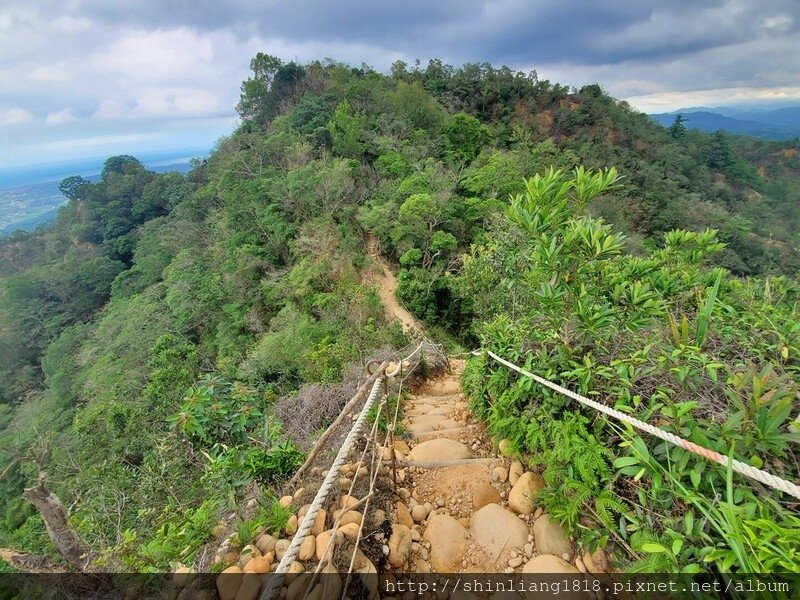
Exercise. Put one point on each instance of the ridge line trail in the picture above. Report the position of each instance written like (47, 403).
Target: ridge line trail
(461, 505)
(386, 282)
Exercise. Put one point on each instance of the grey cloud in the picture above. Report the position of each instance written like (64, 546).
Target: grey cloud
(109, 62)
(514, 31)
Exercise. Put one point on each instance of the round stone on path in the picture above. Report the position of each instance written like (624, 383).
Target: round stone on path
(484, 494)
(500, 474)
(550, 537)
(419, 513)
(229, 582)
(399, 545)
(523, 494)
(307, 548)
(497, 530)
(440, 449)
(403, 515)
(547, 563)
(447, 538)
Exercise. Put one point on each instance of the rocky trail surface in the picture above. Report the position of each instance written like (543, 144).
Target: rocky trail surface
(464, 506)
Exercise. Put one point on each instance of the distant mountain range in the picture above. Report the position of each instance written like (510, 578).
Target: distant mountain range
(773, 124)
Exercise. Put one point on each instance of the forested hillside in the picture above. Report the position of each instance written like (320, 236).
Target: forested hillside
(162, 335)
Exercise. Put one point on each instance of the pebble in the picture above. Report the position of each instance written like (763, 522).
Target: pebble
(538, 513)
(439, 502)
(385, 550)
(515, 562)
(565, 556)
(528, 549)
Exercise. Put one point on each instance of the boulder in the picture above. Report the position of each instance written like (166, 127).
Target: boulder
(399, 545)
(522, 496)
(308, 548)
(291, 525)
(319, 522)
(424, 423)
(280, 548)
(403, 515)
(329, 586)
(368, 573)
(550, 537)
(350, 530)
(259, 564)
(498, 530)
(323, 540)
(500, 474)
(251, 585)
(347, 501)
(351, 516)
(401, 446)
(515, 471)
(597, 562)
(503, 447)
(440, 449)
(419, 513)
(229, 582)
(297, 589)
(447, 538)
(266, 543)
(484, 494)
(547, 563)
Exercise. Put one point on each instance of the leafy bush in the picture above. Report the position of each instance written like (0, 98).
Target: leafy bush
(661, 336)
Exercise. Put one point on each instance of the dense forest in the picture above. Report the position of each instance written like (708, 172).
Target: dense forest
(159, 336)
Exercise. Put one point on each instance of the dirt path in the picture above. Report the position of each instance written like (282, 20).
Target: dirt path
(386, 283)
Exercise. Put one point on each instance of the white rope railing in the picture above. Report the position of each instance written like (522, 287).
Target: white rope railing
(759, 475)
(276, 581)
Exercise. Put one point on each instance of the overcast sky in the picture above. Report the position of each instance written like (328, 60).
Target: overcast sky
(83, 78)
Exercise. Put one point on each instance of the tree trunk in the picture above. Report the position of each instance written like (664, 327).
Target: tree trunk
(66, 539)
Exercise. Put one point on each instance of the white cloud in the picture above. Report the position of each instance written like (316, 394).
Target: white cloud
(67, 24)
(156, 102)
(61, 116)
(59, 73)
(160, 55)
(15, 116)
(97, 140)
(778, 22)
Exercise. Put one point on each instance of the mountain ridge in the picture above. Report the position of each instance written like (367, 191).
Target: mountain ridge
(776, 124)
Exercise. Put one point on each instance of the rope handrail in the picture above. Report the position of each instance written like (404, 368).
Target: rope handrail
(377, 378)
(322, 494)
(750, 471)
